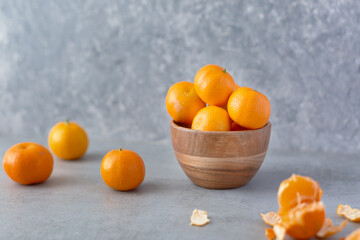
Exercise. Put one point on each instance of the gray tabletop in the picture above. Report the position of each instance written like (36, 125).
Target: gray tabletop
(76, 204)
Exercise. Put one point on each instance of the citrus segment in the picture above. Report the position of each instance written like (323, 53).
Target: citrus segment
(296, 190)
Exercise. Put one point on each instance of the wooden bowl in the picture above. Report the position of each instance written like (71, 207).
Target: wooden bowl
(220, 160)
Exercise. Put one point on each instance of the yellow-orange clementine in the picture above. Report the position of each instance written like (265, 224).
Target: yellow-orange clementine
(68, 140)
(214, 85)
(305, 220)
(296, 190)
(28, 163)
(182, 102)
(211, 118)
(249, 108)
(122, 169)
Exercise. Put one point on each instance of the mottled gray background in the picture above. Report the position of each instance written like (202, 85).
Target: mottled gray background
(108, 64)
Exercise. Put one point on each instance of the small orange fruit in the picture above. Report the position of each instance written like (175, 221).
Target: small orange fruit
(122, 169)
(68, 140)
(214, 85)
(296, 190)
(249, 108)
(182, 102)
(28, 163)
(305, 220)
(211, 118)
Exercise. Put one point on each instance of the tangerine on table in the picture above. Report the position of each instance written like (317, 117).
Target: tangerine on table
(211, 118)
(296, 190)
(214, 85)
(249, 108)
(182, 102)
(68, 140)
(122, 169)
(28, 163)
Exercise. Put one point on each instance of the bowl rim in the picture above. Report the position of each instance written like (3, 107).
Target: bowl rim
(248, 131)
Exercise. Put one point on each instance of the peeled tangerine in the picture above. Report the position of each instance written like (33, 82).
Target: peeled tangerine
(353, 214)
(199, 218)
(305, 220)
(296, 190)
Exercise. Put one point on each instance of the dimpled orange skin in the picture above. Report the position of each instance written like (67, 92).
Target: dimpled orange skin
(214, 85)
(182, 102)
(122, 170)
(68, 140)
(249, 108)
(28, 163)
(304, 221)
(211, 118)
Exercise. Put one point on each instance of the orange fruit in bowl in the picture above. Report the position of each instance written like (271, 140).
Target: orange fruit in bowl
(304, 221)
(214, 85)
(297, 190)
(182, 102)
(211, 118)
(68, 140)
(28, 163)
(122, 169)
(249, 108)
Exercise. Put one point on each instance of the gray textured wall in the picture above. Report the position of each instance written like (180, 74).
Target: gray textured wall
(108, 64)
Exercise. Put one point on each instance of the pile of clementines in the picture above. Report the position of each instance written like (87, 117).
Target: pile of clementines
(214, 102)
(30, 163)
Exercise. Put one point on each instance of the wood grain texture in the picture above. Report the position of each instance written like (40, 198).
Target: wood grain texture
(220, 160)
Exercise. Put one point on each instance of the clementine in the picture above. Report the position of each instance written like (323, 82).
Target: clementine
(211, 118)
(214, 85)
(122, 169)
(28, 163)
(68, 140)
(249, 108)
(182, 102)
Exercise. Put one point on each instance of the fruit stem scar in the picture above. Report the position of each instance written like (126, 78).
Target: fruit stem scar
(224, 70)
(67, 121)
(120, 149)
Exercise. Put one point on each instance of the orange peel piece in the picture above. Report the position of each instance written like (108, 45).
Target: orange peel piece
(355, 235)
(353, 214)
(279, 231)
(271, 218)
(328, 229)
(269, 232)
(199, 218)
